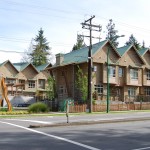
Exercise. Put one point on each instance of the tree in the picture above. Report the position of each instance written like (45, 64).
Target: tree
(40, 52)
(132, 40)
(112, 33)
(26, 55)
(82, 83)
(143, 44)
(51, 92)
(80, 43)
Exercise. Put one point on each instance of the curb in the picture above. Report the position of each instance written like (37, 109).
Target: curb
(89, 122)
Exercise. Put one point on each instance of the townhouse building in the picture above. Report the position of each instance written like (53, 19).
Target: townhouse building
(129, 71)
(24, 78)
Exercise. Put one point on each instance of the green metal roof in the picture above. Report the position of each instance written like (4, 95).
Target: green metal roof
(20, 66)
(81, 55)
(123, 49)
(43, 67)
(143, 51)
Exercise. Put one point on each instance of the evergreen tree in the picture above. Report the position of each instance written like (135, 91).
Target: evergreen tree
(143, 44)
(132, 40)
(79, 44)
(26, 56)
(40, 52)
(112, 33)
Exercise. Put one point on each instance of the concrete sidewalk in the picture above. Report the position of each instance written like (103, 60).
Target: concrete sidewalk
(98, 119)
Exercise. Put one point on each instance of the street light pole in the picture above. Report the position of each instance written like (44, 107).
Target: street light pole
(108, 51)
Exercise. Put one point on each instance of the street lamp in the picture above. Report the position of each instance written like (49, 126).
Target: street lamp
(108, 85)
(108, 51)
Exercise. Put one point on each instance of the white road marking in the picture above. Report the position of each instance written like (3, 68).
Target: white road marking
(49, 116)
(43, 122)
(142, 148)
(53, 136)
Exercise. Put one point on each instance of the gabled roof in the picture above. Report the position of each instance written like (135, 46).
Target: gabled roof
(81, 55)
(124, 49)
(22, 66)
(43, 67)
(143, 51)
(8, 61)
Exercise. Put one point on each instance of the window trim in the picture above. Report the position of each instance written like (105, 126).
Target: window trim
(99, 88)
(148, 75)
(120, 74)
(112, 71)
(147, 91)
(31, 84)
(131, 92)
(134, 74)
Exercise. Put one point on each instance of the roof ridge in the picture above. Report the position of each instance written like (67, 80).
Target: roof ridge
(74, 51)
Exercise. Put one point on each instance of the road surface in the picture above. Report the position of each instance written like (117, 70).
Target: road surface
(15, 135)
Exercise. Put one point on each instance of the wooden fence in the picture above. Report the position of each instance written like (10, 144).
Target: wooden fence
(112, 107)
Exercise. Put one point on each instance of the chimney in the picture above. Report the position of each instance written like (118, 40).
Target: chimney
(59, 59)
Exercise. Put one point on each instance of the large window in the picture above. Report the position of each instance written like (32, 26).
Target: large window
(112, 71)
(120, 72)
(148, 74)
(42, 83)
(147, 91)
(99, 89)
(31, 84)
(131, 92)
(134, 74)
(8, 80)
(22, 81)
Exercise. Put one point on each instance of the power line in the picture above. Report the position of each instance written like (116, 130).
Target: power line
(87, 24)
(41, 7)
(72, 12)
(5, 51)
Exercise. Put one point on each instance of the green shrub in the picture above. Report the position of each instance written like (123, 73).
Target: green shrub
(3, 109)
(38, 107)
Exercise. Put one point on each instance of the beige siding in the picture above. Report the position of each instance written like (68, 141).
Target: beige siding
(29, 72)
(147, 58)
(101, 55)
(8, 71)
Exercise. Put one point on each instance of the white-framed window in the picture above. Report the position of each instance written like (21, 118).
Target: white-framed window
(9, 80)
(131, 92)
(41, 83)
(31, 84)
(22, 81)
(99, 89)
(118, 92)
(120, 72)
(148, 74)
(112, 71)
(134, 74)
(147, 91)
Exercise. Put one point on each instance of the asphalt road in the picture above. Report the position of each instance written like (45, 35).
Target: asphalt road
(15, 135)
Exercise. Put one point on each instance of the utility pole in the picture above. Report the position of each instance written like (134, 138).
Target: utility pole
(89, 26)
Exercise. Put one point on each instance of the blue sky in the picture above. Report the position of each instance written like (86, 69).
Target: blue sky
(61, 21)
